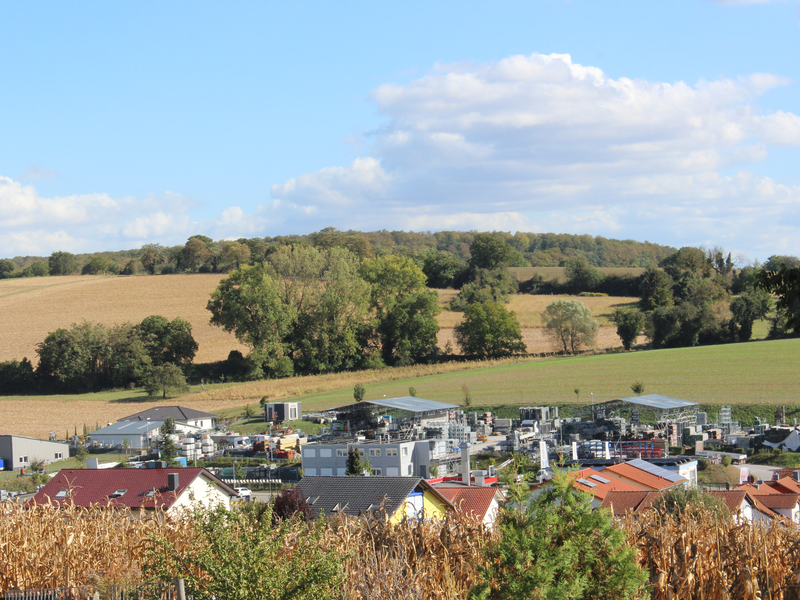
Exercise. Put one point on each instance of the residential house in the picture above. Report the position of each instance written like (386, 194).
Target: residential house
(398, 497)
(621, 502)
(187, 420)
(598, 486)
(137, 489)
(481, 502)
(18, 452)
(644, 476)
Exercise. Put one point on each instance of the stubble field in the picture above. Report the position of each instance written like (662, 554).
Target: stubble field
(33, 307)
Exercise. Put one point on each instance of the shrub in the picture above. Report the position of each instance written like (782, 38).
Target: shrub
(726, 461)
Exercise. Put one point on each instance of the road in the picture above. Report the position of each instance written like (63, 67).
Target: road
(760, 471)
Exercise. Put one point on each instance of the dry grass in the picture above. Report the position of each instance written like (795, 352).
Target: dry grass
(529, 308)
(32, 308)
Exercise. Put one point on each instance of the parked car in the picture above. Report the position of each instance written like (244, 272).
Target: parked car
(244, 493)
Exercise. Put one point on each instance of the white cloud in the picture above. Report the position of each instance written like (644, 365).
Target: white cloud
(34, 225)
(540, 141)
(35, 172)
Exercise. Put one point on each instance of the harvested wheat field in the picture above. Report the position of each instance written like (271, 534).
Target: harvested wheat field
(32, 308)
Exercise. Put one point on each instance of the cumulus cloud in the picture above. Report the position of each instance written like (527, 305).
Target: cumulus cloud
(34, 225)
(538, 141)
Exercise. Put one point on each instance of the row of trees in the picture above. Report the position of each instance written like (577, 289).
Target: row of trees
(90, 357)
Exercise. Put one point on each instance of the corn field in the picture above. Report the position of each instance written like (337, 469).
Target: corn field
(699, 555)
(703, 555)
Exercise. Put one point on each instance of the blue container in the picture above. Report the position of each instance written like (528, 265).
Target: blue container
(181, 460)
(2, 464)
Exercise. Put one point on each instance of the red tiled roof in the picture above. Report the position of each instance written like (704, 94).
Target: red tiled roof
(764, 489)
(621, 501)
(786, 485)
(87, 487)
(476, 500)
(732, 499)
(648, 480)
(600, 489)
(777, 501)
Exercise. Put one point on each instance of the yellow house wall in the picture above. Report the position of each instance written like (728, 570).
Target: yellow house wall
(433, 507)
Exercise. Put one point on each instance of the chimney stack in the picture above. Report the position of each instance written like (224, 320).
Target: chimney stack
(173, 482)
(465, 462)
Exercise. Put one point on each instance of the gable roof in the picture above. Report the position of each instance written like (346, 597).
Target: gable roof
(88, 487)
(470, 499)
(732, 499)
(178, 413)
(641, 477)
(354, 495)
(129, 428)
(786, 484)
(622, 501)
(595, 484)
(779, 501)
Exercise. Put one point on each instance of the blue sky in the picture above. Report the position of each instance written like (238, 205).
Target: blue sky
(672, 121)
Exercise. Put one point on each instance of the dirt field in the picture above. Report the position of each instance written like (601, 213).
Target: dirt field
(33, 307)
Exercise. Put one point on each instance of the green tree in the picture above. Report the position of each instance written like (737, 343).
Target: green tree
(488, 330)
(637, 387)
(329, 304)
(785, 283)
(581, 275)
(99, 265)
(569, 323)
(74, 359)
(412, 391)
(168, 341)
(165, 447)
(234, 255)
(486, 286)
(248, 303)
(488, 251)
(7, 267)
(62, 263)
(630, 323)
(442, 269)
(168, 426)
(152, 257)
(248, 555)
(656, 290)
(165, 378)
(556, 546)
(358, 392)
(356, 464)
(37, 268)
(405, 311)
(195, 253)
(749, 307)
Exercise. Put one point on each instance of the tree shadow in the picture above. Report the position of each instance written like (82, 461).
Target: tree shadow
(139, 399)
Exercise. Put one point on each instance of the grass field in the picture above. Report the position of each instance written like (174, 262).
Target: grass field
(758, 374)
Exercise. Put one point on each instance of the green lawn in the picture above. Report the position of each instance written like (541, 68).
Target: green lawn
(747, 374)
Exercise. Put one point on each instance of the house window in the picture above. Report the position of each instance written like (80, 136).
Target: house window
(391, 452)
(410, 469)
(377, 472)
(341, 452)
(405, 451)
(23, 460)
(309, 453)
(374, 451)
(324, 452)
(59, 455)
(341, 472)
(392, 472)
(326, 472)
(311, 472)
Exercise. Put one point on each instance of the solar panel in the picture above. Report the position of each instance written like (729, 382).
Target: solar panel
(657, 471)
(587, 483)
(600, 479)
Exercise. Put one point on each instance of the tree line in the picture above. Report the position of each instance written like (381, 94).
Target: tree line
(90, 357)
(446, 253)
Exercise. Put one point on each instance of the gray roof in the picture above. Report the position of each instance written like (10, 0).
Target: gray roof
(129, 427)
(412, 404)
(657, 401)
(178, 413)
(354, 495)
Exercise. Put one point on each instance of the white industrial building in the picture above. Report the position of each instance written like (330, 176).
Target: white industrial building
(393, 459)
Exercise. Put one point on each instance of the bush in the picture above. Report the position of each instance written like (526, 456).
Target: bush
(726, 461)
(702, 464)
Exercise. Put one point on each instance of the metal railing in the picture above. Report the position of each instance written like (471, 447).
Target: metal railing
(162, 590)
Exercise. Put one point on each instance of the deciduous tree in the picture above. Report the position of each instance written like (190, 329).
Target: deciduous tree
(630, 323)
(570, 325)
(165, 378)
(488, 330)
(62, 263)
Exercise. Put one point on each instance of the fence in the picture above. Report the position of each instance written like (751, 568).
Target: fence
(162, 590)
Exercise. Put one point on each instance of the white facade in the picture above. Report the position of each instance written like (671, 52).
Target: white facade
(394, 459)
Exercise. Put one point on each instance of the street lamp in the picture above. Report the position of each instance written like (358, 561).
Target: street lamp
(147, 435)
